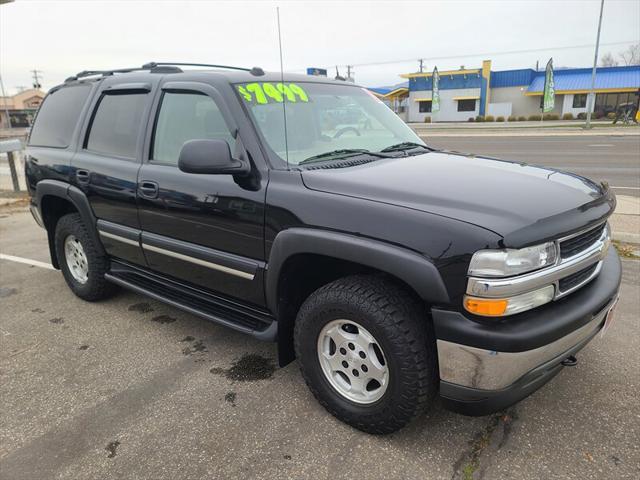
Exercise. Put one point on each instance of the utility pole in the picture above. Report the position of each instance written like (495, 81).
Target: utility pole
(591, 99)
(349, 68)
(421, 61)
(36, 79)
(5, 100)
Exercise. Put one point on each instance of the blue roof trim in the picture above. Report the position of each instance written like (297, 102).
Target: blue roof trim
(512, 78)
(380, 91)
(447, 82)
(565, 79)
(580, 79)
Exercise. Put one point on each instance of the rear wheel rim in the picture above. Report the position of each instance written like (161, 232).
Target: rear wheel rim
(352, 361)
(76, 259)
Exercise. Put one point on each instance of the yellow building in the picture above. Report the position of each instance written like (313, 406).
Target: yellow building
(21, 107)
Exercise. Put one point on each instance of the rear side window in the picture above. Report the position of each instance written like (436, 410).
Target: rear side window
(116, 124)
(184, 117)
(58, 116)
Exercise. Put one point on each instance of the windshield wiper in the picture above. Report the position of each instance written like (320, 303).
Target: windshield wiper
(405, 146)
(342, 153)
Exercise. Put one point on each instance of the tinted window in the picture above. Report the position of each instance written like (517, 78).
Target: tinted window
(116, 123)
(58, 116)
(466, 105)
(425, 106)
(183, 117)
(580, 100)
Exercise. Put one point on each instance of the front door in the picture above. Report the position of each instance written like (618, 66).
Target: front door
(204, 229)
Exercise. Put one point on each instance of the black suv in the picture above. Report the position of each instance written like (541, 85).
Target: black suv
(301, 210)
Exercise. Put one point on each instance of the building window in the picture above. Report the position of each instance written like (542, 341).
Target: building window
(467, 105)
(425, 106)
(580, 100)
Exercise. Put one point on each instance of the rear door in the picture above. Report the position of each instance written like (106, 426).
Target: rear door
(106, 166)
(207, 230)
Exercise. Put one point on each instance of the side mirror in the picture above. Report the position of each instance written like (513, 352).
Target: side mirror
(211, 157)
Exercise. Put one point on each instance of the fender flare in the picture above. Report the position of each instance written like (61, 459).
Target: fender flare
(78, 199)
(414, 269)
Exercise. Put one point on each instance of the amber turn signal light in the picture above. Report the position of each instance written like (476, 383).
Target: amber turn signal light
(489, 307)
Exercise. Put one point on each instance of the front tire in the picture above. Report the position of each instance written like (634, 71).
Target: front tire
(82, 266)
(367, 352)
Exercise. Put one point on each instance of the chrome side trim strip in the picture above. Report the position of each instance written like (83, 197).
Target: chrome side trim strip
(491, 370)
(197, 261)
(118, 238)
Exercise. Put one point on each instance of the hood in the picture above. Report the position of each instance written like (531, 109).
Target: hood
(522, 203)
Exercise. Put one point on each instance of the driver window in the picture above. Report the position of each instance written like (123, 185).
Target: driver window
(183, 117)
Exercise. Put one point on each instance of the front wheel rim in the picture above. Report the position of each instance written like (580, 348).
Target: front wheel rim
(352, 361)
(76, 259)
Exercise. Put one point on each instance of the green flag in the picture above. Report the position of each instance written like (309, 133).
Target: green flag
(549, 95)
(435, 91)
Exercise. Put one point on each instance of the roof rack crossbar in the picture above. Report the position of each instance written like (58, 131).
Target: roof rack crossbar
(182, 64)
(104, 73)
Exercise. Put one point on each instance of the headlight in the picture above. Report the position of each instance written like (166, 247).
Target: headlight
(501, 307)
(509, 262)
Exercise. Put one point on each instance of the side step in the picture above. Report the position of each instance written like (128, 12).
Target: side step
(257, 323)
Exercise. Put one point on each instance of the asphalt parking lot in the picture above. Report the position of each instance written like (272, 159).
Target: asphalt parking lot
(130, 388)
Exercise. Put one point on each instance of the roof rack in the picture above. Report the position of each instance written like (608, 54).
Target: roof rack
(256, 71)
(160, 67)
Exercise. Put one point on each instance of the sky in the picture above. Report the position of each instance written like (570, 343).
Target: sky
(381, 39)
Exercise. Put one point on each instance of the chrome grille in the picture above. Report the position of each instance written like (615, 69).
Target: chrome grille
(577, 279)
(580, 242)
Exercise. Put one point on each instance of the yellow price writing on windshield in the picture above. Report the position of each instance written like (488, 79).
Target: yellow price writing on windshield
(263, 93)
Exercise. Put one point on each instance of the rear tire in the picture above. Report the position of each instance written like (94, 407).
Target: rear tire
(367, 310)
(82, 266)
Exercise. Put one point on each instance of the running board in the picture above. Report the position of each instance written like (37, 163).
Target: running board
(258, 324)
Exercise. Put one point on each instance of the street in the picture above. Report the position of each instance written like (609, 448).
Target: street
(130, 388)
(615, 159)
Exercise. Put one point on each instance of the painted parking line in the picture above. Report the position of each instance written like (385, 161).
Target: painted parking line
(26, 261)
(628, 188)
(602, 145)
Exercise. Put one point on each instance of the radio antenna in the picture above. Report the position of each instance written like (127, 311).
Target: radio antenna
(284, 107)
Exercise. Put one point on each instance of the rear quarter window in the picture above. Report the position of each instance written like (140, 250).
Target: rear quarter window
(58, 116)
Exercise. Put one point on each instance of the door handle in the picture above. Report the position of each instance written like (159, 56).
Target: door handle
(148, 189)
(83, 176)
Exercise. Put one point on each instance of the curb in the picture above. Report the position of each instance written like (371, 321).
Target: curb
(626, 237)
(536, 133)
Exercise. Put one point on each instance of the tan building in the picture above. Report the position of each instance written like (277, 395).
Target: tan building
(22, 107)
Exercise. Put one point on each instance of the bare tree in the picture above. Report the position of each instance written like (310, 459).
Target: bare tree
(608, 60)
(631, 56)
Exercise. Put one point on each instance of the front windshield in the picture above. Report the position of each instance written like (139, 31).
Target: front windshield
(322, 118)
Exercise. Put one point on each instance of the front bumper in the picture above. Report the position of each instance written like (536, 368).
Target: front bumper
(487, 366)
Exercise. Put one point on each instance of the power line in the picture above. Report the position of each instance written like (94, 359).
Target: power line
(481, 54)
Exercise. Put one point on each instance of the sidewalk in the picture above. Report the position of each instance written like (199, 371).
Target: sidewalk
(523, 129)
(625, 222)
